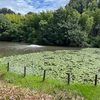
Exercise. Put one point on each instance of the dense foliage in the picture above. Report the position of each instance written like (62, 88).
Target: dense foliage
(82, 64)
(75, 25)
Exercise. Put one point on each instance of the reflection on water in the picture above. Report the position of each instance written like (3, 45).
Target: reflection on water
(9, 48)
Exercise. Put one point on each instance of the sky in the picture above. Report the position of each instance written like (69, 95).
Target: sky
(25, 6)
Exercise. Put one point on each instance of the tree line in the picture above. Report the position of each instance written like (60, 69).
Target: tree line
(75, 25)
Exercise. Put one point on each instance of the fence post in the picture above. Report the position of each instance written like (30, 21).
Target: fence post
(24, 71)
(95, 80)
(7, 66)
(68, 78)
(44, 74)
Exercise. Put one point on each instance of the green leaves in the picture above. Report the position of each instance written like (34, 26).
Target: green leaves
(4, 27)
(4, 23)
(71, 26)
(79, 5)
(82, 64)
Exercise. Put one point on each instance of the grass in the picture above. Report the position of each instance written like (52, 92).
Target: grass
(34, 82)
(82, 65)
(51, 86)
(89, 91)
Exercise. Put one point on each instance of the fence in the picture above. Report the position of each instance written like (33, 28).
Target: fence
(45, 71)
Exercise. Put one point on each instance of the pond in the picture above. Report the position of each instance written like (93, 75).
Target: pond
(11, 48)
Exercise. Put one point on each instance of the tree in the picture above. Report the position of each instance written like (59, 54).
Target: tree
(63, 29)
(96, 25)
(86, 22)
(15, 18)
(32, 20)
(99, 4)
(79, 5)
(82, 5)
(35, 24)
(4, 27)
(6, 11)
(93, 5)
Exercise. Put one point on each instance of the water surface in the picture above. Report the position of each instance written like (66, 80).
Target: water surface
(11, 48)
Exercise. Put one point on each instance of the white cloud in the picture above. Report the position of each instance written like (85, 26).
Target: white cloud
(24, 6)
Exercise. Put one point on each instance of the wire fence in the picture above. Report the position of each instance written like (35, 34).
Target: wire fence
(31, 71)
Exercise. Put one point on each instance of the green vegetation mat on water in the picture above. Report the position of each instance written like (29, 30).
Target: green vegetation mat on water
(82, 64)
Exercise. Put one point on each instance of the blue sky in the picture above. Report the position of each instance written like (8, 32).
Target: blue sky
(24, 6)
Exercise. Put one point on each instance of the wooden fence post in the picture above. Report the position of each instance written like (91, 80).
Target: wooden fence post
(7, 66)
(24, 71)
(68, 78)
(44, 75)
(95, 80)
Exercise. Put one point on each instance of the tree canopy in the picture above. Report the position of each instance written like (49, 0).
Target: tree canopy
(75, 25)
(6, 11)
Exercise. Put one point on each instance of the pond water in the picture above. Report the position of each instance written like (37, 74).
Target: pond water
(11, 48)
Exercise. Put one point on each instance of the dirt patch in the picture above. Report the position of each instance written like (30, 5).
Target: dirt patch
(10, 92)
(17, 93)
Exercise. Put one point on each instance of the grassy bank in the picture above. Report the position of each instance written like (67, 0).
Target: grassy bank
(56, 88)
(82, 64)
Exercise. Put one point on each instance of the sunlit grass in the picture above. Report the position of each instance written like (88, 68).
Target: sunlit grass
(83, 65)
(50, 86)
